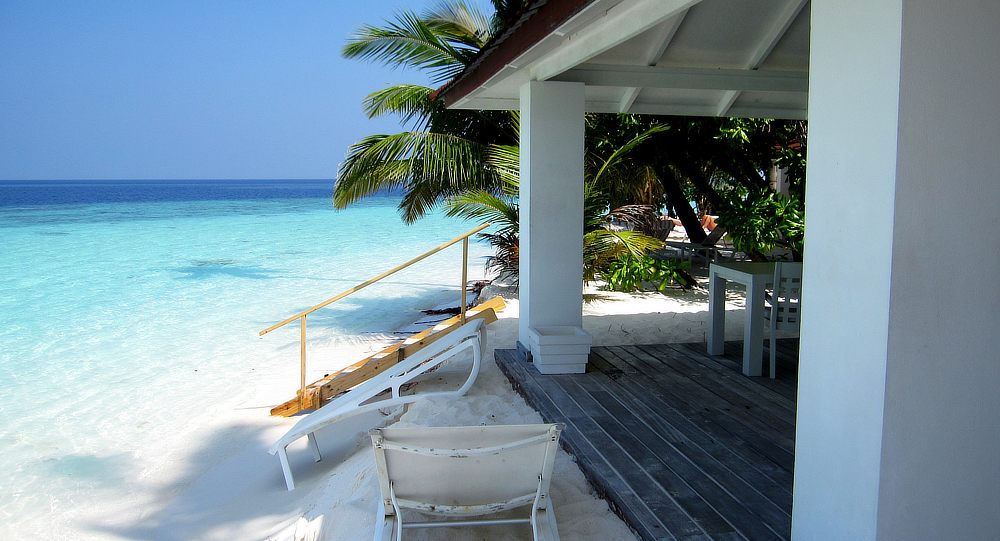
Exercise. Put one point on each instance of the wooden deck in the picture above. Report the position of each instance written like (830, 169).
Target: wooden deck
(681, 444)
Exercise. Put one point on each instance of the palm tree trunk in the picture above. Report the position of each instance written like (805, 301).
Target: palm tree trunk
(675, 194)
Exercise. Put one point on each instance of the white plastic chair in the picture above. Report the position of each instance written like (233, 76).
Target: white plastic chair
(465, 471)
(785, 304)
(706, 248)
(362, 398)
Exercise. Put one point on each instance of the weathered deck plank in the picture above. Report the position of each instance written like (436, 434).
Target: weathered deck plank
(681, 444)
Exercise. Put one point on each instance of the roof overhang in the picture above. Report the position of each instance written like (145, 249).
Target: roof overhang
(668, 57)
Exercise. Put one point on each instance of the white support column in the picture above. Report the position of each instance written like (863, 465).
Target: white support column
(551, 206)
(898, 422)
(853, 102)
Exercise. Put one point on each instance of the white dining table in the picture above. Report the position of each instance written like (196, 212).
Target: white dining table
(755, 277)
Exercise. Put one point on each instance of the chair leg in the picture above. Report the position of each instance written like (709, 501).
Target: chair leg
(313, 446)
(544, 525)
(283, 458)
(384, 527)
(397, 513)
(774, 354)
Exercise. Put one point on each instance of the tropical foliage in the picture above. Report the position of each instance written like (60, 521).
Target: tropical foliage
(762, 220)
(702, 159)
(600, 246)
(636, 166)
(631, 273)
(445, 153)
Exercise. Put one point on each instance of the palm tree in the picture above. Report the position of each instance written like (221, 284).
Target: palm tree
(446, 152)
(601, 246)
(467, 159)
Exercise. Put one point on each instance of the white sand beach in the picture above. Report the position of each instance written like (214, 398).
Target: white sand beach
(230, 488)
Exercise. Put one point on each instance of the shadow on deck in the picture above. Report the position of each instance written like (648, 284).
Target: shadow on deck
(680, 443)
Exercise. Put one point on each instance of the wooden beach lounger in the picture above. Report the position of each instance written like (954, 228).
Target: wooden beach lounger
(363, 397)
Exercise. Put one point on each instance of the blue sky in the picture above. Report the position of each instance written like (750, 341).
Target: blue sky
(163, 89)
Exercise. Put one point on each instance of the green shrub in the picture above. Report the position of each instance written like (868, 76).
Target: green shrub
(762, 220)
(628, 273)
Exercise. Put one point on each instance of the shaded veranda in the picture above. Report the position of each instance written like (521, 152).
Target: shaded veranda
(680, 443)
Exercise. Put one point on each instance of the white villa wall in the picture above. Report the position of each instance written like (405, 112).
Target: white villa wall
(898, 425)
(551, 205)
(849, 232)
(941, 440)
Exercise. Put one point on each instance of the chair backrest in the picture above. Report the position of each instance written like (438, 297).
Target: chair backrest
(786, 298)
(662, 228)
(471, 335)
(714, 236)
(464, 471)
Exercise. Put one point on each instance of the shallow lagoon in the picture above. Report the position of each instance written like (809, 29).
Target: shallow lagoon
(126, 317)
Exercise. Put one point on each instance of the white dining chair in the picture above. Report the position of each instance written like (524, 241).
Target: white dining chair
(785, 307)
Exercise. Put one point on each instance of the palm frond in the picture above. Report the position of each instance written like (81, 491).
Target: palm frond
(642, 218)
(601, 246)
(408, 101)
(459, 22)
(623, 150)
(505, 10)
(507, 257)
(506, 161)
(364, 172)
(429, 166)
(483, 206)
(410, 42)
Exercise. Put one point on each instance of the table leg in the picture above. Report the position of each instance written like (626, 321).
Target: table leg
(753, 331)
(717, 315)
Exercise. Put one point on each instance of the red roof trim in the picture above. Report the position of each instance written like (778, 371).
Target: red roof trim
(535, 22)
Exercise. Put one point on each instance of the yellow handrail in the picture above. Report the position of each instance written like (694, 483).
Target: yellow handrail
(302, 315)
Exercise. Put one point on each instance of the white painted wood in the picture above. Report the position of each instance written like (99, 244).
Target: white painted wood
(551, 206)
(754, 277)
(663, 38)
(776, 32)
(898, 411)
(940, 477)
(764, 48)
(596, 106)
(726, 103)
(622, 22)
(853, 124)
(692, 78)
(660, 43)
(628, 98)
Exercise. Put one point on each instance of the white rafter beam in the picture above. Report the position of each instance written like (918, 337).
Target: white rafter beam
(660, 42)
(688, 78)
(766, 45)
(621, 23)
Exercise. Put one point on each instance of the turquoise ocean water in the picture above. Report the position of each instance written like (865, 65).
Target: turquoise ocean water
(129, 308)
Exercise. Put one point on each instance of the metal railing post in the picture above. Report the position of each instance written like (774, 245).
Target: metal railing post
(465, 274)
(302, 378)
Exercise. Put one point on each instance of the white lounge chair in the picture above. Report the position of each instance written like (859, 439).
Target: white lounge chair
(785, 308)
(463, 472)
(362, 398)
(706, 248)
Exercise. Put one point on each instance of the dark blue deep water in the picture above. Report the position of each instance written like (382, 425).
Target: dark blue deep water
(19, 193)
